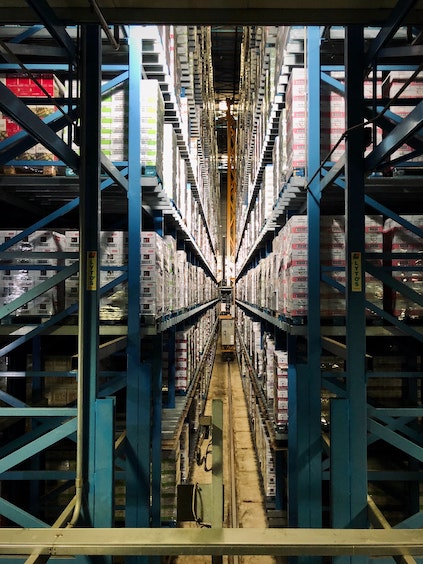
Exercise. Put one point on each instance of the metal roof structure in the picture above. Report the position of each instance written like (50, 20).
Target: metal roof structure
(229, 12)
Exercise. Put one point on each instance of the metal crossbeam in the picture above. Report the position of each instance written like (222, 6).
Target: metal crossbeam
(143, 541)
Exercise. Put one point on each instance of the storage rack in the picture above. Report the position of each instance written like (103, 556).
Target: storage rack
(337, 362)
(305, 512)
(126, 357)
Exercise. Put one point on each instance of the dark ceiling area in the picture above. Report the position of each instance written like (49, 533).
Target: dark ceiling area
(226, 50)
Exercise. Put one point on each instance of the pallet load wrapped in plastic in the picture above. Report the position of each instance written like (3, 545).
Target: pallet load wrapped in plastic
(295, 116)
(113, 254)
(169, 274)
(280, 402)
(114, 123)
(269, 350)
(152, 121)
(29, 272)
(170, 156)
(332, 249)
(152, 289)
(170, 479)
(26, 87)
(182, 344)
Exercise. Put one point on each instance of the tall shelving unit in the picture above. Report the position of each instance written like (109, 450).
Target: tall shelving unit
(349, 392)
(117, 401)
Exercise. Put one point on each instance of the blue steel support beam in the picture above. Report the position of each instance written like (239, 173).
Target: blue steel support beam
(104, 454)
(54, 26)
(38, 445)
(400, 134)
(339, 450)
(387, 32)
(171, 389)
(138, 477)
(19, 516)
(88, 339)
(387, 121)
(309, 386)
(293, 434)
(356, 457)
(156, 430)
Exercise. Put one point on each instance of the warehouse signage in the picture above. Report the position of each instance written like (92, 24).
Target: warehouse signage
(92, 270)
(356, 272)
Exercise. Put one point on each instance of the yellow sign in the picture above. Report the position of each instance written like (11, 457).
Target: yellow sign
(92, 270)
(356, 272)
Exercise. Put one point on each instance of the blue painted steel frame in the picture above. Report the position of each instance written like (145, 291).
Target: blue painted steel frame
(138, 477)
(307, 472)
(355, 460)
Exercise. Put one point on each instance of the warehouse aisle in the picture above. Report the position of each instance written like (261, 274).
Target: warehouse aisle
(251, 512)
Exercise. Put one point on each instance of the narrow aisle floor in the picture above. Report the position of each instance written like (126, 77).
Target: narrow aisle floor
(251, 511)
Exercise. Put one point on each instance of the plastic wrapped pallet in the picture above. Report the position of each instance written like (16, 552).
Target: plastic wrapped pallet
(25, 87)
(32, 272)
(152, 121)
(152, 290)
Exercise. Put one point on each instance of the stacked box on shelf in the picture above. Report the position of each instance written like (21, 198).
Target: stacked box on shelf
(47, 242)
(295, 255)
(269, 349)
(25, 87)
(184, 452)
(409, 271)
(170, 156)
(181, 360)
(114, 123)
(72, 282)
(333, 115)
(165, 361)
(332, 248)
(294, 264)
(195, 411)
(120, 117)
(58, 391)
(170, 479)
(167, 33)
(332, 123)
(32, 272)
(265, 457)
(113, 254)
(332, 253)
(181, 279)
(295, 115)
(152, 121)
(169, 274)
(152, 291)
(280, 402)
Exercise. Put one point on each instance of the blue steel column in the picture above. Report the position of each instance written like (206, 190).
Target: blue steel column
(314, 516)
(355, 460)
(305, 470)
(89, 239)
(138, 478)
(171, 368)
(156, 430)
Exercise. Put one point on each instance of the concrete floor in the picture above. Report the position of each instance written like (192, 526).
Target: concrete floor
(251, 511)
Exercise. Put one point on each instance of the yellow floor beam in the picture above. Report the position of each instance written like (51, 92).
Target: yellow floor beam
(285, 542)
